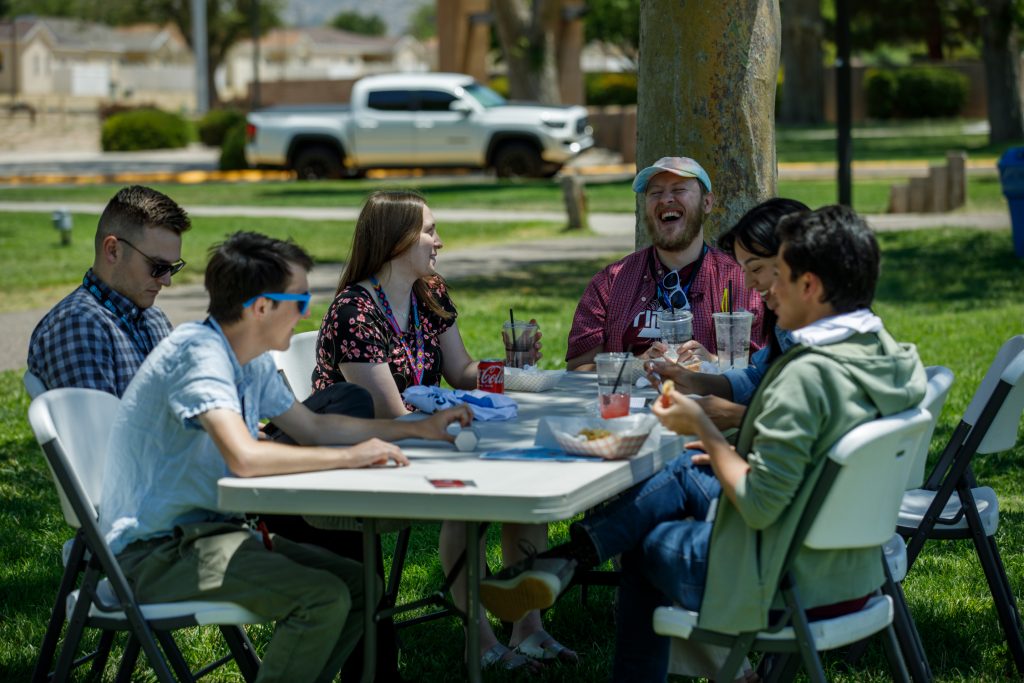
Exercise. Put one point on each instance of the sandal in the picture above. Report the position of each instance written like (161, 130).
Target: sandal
(540, 646)
(498, 656)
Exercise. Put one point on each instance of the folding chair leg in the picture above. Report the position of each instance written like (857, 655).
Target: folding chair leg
(892, 653)
(779, 667)
(734, 660)
(102, 654)
(128, 660)
(76, 626)
(242, 650)
(174, 656)
(1006, 606)
(907, 635)
(48, 649)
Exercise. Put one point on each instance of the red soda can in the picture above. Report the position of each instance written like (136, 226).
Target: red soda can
(491, 375)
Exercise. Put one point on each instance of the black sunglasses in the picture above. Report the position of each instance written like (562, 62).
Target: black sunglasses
(160, 268)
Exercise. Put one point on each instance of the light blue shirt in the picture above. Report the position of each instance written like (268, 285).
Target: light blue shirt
(162, 467)
(744, 382)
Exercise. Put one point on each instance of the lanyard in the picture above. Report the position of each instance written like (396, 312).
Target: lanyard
(417, 364)
(130, 327)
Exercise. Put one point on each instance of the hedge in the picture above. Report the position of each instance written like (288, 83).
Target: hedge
(144, 129)
(914, 93)
(215, 124)
(232, 152)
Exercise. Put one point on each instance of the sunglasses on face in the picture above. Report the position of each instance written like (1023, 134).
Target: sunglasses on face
(160, 268)
(671, 294)
(303, 299)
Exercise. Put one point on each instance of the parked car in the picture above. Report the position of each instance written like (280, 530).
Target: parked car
(418, 120)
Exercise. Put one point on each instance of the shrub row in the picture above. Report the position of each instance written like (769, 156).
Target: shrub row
(914, 93)
(144, 129)
(600, 88)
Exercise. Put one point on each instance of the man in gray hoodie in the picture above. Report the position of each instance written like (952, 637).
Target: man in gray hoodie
(844, 370)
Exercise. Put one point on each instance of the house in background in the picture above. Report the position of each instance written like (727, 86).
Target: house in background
(71, 63)
(316, 54)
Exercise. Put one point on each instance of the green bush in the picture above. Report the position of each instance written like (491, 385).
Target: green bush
(232, 152)
(930, 93)
(880, 93)
(144, 129)
(215, 124)
(915, 93)
(610, 88)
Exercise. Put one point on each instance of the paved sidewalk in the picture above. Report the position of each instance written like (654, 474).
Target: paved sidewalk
(612, 235)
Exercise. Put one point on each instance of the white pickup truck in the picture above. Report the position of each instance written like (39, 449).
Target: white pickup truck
(417, 120)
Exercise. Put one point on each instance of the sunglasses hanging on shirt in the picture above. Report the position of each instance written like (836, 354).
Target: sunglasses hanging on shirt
(672, 293)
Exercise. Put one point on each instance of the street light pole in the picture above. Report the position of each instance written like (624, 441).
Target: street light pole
(200, 47)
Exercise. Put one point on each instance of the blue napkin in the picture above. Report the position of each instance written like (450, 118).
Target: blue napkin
(486, 406)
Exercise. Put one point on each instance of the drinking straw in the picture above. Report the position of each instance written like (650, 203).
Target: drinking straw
(730, 297)
(615, 387)
(722, 304)
(512, 319)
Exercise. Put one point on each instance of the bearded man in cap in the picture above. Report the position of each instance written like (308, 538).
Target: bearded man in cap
(619, 309)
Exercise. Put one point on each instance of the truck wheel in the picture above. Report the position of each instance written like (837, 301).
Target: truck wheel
(517, 160)
(318, 162)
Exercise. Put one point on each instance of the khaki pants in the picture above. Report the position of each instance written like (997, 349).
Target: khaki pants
(315, 596)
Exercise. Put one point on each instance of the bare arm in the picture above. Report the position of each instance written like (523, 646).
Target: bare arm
(684, 416)
(459, 368)
(249, 457)
(585, 361)
(689, 382)
(376, 378)
(307, 427)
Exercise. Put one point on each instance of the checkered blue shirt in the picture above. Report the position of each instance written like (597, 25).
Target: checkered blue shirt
(94, 338)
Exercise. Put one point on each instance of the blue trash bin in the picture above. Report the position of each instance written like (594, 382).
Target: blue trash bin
(1011, 175)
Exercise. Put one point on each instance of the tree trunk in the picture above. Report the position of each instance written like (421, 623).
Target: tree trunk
(707, 90)
(1000, 51)
(803, 84)
(527, 32)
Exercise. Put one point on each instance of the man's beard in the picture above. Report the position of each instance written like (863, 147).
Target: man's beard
(694, 221)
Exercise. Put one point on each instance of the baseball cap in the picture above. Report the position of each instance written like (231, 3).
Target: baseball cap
(684, 167)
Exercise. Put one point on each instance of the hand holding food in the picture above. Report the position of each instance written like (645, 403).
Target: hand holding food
(666, 388)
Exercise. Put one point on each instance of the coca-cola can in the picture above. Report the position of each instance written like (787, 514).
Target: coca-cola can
(491, 375)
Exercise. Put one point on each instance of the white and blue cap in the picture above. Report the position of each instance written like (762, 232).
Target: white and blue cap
(684, 167)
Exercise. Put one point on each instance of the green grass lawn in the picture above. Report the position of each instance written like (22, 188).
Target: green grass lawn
(955, 293)
(35, 270)
(870, 195)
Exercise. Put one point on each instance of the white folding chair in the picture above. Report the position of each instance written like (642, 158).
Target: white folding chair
(72, 427)
(868, 463)
(33, 385)
(297, 363)
(951, 504)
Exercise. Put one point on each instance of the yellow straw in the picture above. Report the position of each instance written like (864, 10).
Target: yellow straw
(725, 299)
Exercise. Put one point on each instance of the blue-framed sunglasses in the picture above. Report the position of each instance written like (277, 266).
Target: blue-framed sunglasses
(672, 295)
(303, 299)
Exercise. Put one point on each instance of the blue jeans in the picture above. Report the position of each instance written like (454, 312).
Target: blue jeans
(660, 529)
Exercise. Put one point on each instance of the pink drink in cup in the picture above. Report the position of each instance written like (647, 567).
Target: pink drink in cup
(614, 383)
(614, 405)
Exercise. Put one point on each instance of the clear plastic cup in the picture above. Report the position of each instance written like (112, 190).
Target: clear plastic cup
(614, 383)
(733, 333)
(676, 328)
(520, 344)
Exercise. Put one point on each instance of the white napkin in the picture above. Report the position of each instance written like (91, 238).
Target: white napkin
(486, 406)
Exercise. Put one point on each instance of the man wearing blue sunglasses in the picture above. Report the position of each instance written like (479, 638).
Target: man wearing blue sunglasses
(618, 310)
(192, 415)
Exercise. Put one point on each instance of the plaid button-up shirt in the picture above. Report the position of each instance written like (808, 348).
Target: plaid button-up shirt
(617, 294)
(94, 338)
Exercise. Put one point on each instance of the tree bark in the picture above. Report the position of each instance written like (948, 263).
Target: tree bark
(803, 84)
(527, 32)
(707, 90)
(1000, 51)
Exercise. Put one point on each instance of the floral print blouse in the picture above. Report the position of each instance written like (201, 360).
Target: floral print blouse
(355, 330)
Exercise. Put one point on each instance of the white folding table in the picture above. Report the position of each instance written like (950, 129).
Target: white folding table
(494, 490)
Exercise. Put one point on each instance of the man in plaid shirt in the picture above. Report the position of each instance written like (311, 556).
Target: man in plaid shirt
(98, 336)
(618, 310)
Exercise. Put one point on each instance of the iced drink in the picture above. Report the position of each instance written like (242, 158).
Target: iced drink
(520, 344)
(733, 334)
(676, 328)
(614, 383)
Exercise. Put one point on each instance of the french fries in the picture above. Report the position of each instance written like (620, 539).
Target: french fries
(666, 387)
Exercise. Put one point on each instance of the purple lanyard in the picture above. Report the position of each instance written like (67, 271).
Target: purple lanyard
(417, 364)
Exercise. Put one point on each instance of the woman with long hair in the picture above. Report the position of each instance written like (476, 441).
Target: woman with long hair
(392, 325)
